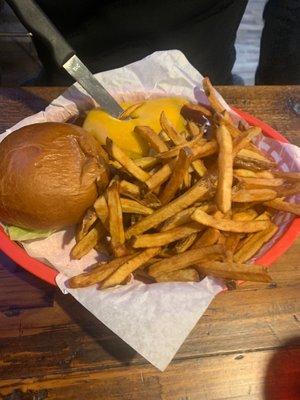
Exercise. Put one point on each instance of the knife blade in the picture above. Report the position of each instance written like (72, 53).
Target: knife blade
(39, 25)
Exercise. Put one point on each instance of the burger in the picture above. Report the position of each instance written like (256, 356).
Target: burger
(50, 173)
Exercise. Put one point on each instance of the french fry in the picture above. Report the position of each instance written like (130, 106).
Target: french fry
(159, 177)
(101, 209)
(252, 155)
(225, 174)
(228, 225)
(289, 176)
(87, 222)
(231, 243)
(193, 144)
(195, 193)
(208, 238)
(221, 119)
(186, 243)
(199, 167)
(153, 140)
(246, 215)
(183, 260)
(88, 242)
(195, 112)
(256, 183)
(247, 173)
(129, 266)
(130, 110)
(182, 217)
(212, 96)
(288, 190)
(183, 275)
(146, 162)
(281, 205)
(126, 187)
(205, 150)
(115, 219)
(251, 163)
(187, 180)
(98, 273)
(165, 237)
(170, 130)
(194, 129)
(127, 162)
(177, 177)
(248, 195)
(134, 207)
(254, 243)
(244, 139)
(151, 200)
(236, 271)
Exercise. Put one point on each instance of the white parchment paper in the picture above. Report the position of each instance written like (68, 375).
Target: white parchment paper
(153, 319)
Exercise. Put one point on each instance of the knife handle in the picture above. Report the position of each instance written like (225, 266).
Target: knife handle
(34, 19)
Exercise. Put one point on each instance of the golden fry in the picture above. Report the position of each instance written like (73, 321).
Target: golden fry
(195, 112)
(134, 207)
(246, 215)
(248, 195)
(256, 183)
(183, 275)
(247, 173)
(130, 266)
(281, 205)
(220, 119)
(186, 243)
(195, 145)
(127, 162)
(153, 140)
(115, 219)
(227, 270)
(88, 242)
(182, 217)
(180, 169)
(289, 176)
(194, 129)
(208, 238)
(252, 155)
(199, 167)
(165, 237)
(183, 260)
(87, 222)
(159, 177)
(212, 96)
(228, 225)
(288, 190)
(130, 110)
(225, 171)
(205, 150)
(251, 163)
(146, 162)
(129, 188)
(170, 130)
(244, 139)
(101, 209)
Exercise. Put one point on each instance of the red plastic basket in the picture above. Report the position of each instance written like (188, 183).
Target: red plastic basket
(48, 274)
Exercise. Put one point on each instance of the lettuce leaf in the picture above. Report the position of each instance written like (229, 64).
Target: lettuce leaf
(21, 234)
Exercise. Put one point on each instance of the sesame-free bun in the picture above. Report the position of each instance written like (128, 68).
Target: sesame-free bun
(48, 174)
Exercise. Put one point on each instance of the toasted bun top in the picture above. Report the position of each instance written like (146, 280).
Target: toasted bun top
(48, 174)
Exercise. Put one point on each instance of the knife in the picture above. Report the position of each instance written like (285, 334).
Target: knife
(39, 25)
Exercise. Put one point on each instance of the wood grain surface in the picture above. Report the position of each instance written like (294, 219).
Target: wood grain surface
(246, 346)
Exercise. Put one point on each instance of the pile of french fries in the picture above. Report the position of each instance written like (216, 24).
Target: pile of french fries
(200, 204)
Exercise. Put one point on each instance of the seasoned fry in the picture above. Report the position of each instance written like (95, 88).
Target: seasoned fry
(170, 130)
(134, 207)
(225, 172)
(228, 225)
(195, 193)
(231, 243)
(101, 209)
(159, 177)
(248, 195)
(153, 140)
(98, 273)
(183, 260)
(244, 139)
(212, 96)
(246, 173)
(281, 205)
(199, 167)
(88, 242)
(115, 219)
(182, 217)
(146, 162)
(180, 169)
(227, 270)
(126, 187)
(256, 183)
(127, 162)
(208, 238)
(165, 237)
(183, 275)
(87, 222)
(130, 266)
(130, 110)
(186, 243)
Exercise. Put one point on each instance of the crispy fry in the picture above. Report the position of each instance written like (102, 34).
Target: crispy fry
(256, 183)
(195, 112)
(246, 215)
(208, 238)
(252, 155)
(153, 140)
(244, 139)
(180, 169)
(207, 149)
(219, 119)
(129, 266)
(194, 129)
(281, 205)
(126, 187)
(248, 195)
(88, 242)
(193, 144)
(227, 270)
(231, 243)
(134, 207)
(115, 219)
(225, 174)
(254, 243)
(87, 222)
(127, 163)
(289, 176)
(195, 193)
(182, 217)
(228, 225)
(187, 181)
(246, 173)
(165, 237)
(183, 260)
(183, 275)
(160, 176)
(98, 273)
(199, 167)
(170, 130)
(101, 209)
(288, 190)
(186, 243)
(151, 200)
(146, 162)
(251, 163)
(212, 96)
(130, 110)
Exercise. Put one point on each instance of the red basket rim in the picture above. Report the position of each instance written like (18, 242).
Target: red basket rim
(48, 274)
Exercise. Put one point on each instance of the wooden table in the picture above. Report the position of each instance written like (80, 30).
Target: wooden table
(246, 346)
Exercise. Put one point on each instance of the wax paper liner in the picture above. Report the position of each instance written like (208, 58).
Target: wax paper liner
(153, 319)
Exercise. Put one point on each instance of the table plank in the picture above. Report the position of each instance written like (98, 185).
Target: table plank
(54, 348)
